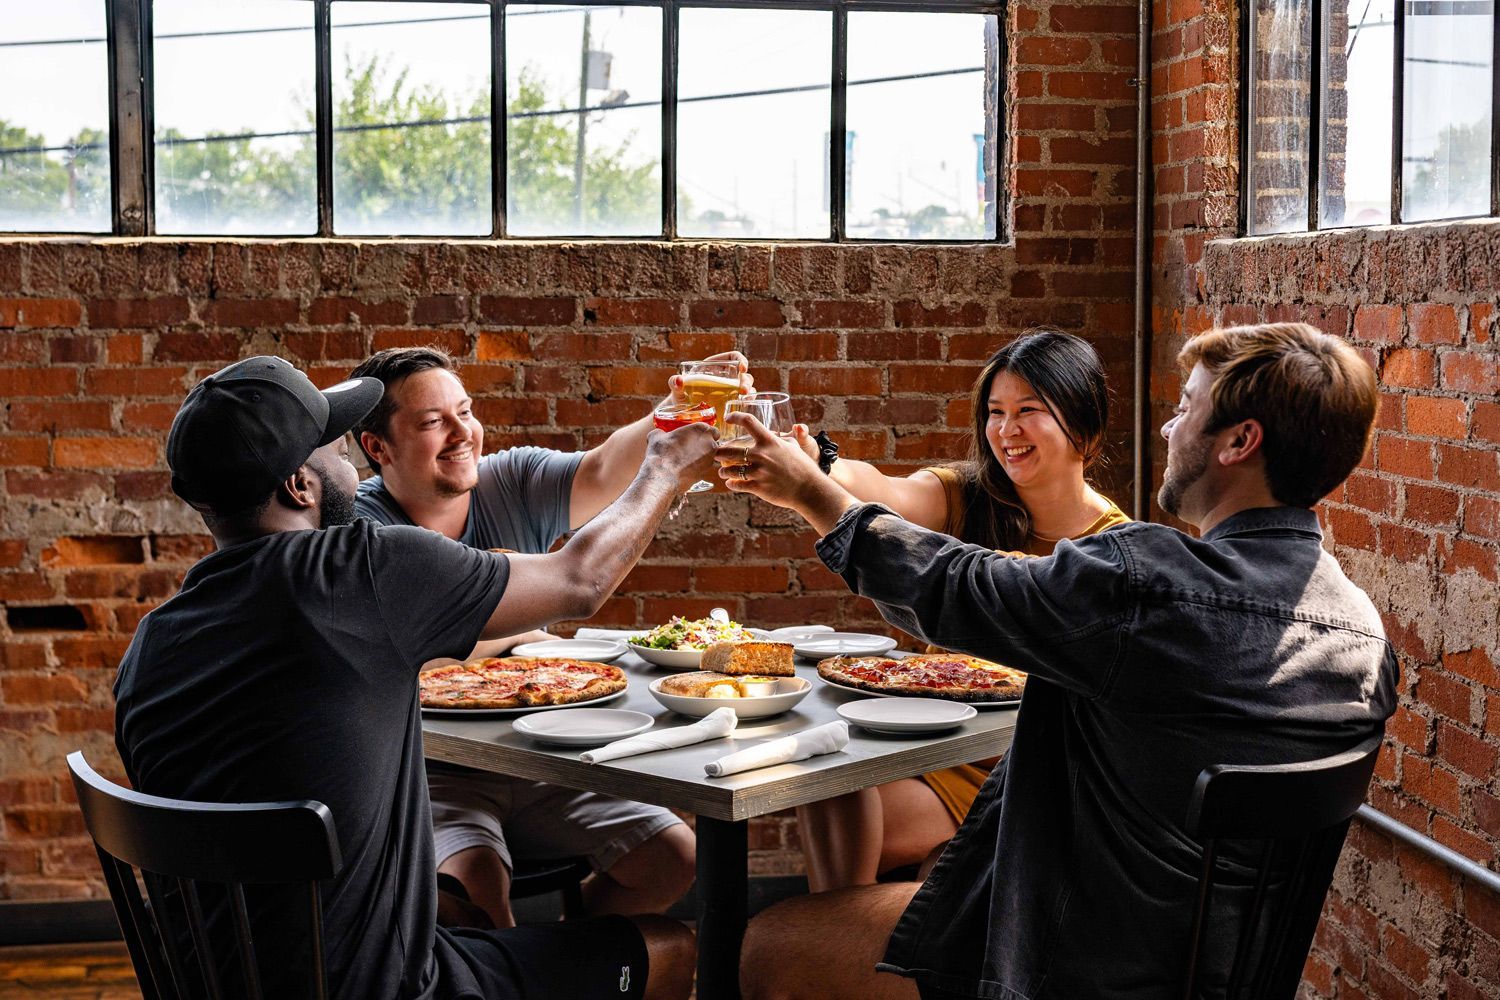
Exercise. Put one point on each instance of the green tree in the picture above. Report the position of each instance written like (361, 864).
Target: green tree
(48, 191)
(235, 185)
(1456, 181)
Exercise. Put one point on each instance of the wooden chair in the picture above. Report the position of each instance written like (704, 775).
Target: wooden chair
(177, 845)
(1301, 812)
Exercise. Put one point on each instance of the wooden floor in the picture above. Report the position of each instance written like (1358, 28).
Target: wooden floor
(67, 972)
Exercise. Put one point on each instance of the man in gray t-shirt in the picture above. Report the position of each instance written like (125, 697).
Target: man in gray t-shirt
(425, 442)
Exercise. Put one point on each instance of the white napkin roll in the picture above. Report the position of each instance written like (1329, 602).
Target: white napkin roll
(822, 739)
(613, 634)
(717, 724)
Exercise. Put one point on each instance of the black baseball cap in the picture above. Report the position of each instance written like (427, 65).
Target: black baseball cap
(247, 427)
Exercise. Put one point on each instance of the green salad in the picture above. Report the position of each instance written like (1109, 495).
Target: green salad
(697, 633)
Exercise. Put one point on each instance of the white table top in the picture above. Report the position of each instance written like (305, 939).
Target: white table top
(675, 778)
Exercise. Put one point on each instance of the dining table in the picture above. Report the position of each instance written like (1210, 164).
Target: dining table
(722, 806)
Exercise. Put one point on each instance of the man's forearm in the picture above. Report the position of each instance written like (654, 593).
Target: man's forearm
(607, 469)
(823, 502)
(606, 548)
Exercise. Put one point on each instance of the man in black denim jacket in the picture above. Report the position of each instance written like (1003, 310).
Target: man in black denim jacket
(1152, 655)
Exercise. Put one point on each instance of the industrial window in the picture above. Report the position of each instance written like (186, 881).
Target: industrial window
(1367, 112)
(835, 120)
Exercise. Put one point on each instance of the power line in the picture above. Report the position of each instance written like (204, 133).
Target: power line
(307, 27)
(475, 119)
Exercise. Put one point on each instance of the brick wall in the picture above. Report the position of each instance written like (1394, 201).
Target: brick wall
(1417, 526)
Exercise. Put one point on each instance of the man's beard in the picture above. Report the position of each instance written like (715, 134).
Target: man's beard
(1191, 465)
(337, 507)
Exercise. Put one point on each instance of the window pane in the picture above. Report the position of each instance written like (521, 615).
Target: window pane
(1280, 74)
(921, 88)
(752, 123)
(234, 143)
(610, 184)
(54, 117)
(411, 118)
(1355, 176)
(1446, 132)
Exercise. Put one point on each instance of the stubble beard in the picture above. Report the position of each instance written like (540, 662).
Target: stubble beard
(1180, 476)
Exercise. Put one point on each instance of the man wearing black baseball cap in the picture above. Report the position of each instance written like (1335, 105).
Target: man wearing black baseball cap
(286, 668)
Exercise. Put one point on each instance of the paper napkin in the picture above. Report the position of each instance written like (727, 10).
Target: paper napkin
(718, 723)
(820, 740)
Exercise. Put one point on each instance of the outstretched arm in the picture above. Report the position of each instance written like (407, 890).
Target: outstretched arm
(608, 468)
(919, 497)
(575, 581)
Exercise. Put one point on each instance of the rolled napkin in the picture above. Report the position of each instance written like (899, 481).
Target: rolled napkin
(716, 724)
(820, 740)
(612, 634)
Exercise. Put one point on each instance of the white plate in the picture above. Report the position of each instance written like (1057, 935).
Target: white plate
(583, 727)
(907, 715)
(844, 644)
(745, 708)
(596, 650)
(480, 713)
(796, 633)
(1003, 703)
(680, 659)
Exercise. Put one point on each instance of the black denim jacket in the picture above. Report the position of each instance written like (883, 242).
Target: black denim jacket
(1152, 655)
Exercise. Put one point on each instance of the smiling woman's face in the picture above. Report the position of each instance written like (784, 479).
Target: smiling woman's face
(1025, 437)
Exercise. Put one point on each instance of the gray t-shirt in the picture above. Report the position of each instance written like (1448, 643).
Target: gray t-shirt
(520, 503)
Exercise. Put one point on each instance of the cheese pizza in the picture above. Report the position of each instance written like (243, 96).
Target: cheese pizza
(930, 675)
(519, 682)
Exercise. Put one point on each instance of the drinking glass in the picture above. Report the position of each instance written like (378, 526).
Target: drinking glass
(772, 409)
(669, 416)
(713, 382)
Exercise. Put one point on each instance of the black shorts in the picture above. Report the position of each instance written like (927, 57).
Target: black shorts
(604, 957)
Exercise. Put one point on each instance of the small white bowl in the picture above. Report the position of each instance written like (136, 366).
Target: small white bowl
(596, 650)
(672, 659)
(745, 708)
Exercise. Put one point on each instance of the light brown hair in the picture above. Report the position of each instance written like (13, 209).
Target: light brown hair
(1312, 394)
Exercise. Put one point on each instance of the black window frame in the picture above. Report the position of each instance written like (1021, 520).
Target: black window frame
(1318, 48)
(132, 149)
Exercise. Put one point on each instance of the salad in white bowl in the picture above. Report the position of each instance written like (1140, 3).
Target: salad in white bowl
(679, 644)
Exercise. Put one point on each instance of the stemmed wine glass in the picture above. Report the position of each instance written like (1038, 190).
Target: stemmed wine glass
(669, 416)
(772, 409)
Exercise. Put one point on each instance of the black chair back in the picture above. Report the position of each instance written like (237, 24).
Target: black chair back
(1301, 812)
(177, 845)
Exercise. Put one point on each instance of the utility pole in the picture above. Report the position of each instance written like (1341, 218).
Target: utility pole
(583, 123)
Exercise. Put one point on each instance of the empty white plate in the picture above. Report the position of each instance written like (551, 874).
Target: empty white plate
(597, 650)
(796, 633)
(583, 727)
(906, 715)
(844, 644)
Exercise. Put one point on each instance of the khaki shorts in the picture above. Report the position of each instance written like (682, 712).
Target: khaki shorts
(533, 819)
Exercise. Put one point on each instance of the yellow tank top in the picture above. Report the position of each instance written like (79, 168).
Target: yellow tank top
(958, 786)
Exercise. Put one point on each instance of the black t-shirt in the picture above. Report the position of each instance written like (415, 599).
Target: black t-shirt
(286, 668)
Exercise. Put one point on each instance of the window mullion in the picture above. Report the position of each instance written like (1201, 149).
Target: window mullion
(1398, 110)
(499, 123)
(323, 41)
(129, 140)
(1315, 115)
(669, 25)
(1494, 113)
(837, 135)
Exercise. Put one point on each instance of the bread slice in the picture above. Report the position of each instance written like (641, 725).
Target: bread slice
(702, 684)
(770, 659)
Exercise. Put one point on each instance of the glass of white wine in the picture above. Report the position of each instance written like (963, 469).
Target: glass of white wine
(772, 409)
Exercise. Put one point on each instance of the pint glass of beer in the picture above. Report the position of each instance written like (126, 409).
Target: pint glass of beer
(712, 382)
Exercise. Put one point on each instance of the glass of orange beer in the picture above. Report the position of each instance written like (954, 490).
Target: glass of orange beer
(712, 382)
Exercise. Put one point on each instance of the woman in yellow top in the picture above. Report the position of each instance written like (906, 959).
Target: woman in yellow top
(1040, 409)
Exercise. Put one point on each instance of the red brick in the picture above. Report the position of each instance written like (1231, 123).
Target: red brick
(585, 347)
(718, 313)
(23, 382)
(1352, 528)
(940, 379)
(1464, 751)
(658, 579)
(1100, 86)
(94, 550)
(964, 314)
(1469, 467)
(1434, 416)
(1405, 954)
(502, 346)
(512, 412)
(338, 310)
(1465, 372)
(824, 381)
(1476, 664)
(1435, 324)
(842, 314)
(130, 313)
(52, 483)
(197, 347)
(1403, 456)
(633, 312)
(43, 824)
(1049, 183)
(455, 342)
(42, 689)
(1435, 786)
(124, 349)
(1408, 368)
(74, 350)
(251, 312)
(1482, 517)
(136, 382)
(740, 579)
(1431, 505)
(25, 587)
(1055, 50)
(326, 345)
(90, 652)
(106, 453)
(516, 311)
(16, 450)
(55, 416)
(1378, 324)
(886, 345)
(1409, 728)
(142, 485)
(1093, 19)
(440, 309)
(1449, 697)
(36, 313)
(1485, 422)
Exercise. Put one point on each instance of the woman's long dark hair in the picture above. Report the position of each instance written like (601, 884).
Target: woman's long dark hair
(1066, 374)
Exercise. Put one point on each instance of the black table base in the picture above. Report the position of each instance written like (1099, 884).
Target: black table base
(723, 867)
